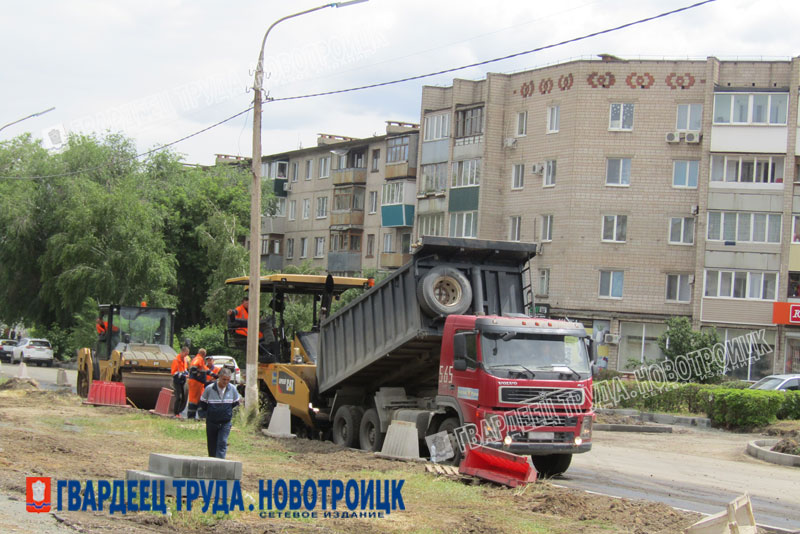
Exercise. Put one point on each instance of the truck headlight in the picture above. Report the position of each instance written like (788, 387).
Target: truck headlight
(586, 428)
(507, 440)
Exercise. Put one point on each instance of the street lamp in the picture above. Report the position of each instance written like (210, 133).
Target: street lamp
(251, 391)
(29, 117)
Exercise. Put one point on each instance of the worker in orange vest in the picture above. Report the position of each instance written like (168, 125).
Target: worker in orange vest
(198, 378)
(179, 374)
(237, 318)
(102, 327)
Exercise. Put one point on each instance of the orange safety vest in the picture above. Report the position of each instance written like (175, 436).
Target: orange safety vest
(102, 328)
(196, 387)
(179, 364)
(241, 314)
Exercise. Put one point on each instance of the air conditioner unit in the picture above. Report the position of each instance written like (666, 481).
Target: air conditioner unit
(287, 186)
(673, 137)
(538, 168)
(692, 137)
(691, 279)
(694, 210)
(510, 142)
(611, 339)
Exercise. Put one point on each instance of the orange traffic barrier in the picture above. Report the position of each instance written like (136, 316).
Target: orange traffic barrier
(163, 403)
(106, 394)
(498, 466)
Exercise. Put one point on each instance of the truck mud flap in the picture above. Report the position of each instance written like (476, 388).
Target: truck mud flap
(498, 466)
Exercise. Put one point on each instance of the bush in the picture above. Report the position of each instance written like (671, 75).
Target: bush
(211, 338)
(791, 405)
(741, 408)
(736, 384)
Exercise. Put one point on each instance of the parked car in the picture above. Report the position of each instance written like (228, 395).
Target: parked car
(230, 363)
(7, 349)
(38, 351)
(778, 383)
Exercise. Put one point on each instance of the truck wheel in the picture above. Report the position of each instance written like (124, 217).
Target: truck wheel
(444, 290)
(450, 425)
(346, 423)
(370, 436)
(552, 464)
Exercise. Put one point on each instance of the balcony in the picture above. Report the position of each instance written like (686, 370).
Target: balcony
(349, 176)
(279, 187)
(400, 170)
(273, 225)
(393, 260)
(272, 262)
(397, 215)
(340, 262)
(347, 218)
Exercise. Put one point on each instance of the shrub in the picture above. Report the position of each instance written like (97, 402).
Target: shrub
(211, 338)
(741, 408)
(790, 409)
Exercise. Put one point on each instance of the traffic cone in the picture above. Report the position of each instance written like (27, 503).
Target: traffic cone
(23, 370)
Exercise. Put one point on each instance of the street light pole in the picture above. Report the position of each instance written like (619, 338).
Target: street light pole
(251, 384)
(28, 117)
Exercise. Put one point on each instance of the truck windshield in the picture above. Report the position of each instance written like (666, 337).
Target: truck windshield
(145, 325)
(504, 353)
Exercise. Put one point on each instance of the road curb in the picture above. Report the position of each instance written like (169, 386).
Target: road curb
(652, 429)
(660, 418)
(760, 449)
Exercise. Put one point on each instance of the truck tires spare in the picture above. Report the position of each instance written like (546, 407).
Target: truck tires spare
(346, 425)
(444, 290)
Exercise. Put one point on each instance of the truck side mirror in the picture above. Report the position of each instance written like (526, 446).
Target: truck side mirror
(460, 347)
(459, 365)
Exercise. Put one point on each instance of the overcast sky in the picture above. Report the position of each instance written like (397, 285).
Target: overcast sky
(158, 70)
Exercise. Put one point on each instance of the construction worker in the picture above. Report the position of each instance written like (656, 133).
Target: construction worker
(213, 370)
(219, 400)
(102, 327)
(237, 318)
(198, 378)
(180, 372)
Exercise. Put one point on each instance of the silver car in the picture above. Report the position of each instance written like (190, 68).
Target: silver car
(38, 351)
(778, 383)
(230, 363)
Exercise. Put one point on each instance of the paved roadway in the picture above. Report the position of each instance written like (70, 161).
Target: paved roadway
(46, 376)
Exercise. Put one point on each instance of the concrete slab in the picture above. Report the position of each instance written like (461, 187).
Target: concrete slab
(280, 424)
(202, 467)
(402, 441)
(633, 428)
(169, 489)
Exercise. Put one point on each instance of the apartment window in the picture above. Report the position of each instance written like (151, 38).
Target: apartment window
(319, 247)
(611, 283)
(685, 173)
(279, 208)
(464, 224)
(553, 118)
(681, 231)
(437, 127)
(373, 201)
(518, 176)
(309, 168)
(370, 245)
(744, 227)
(758, 108)
(755, 285)
(618, 171)
(397, 149)
(796, 229)
(469, 122)
(690, 117)
(549, 178)
(306, 208)
(515, 228)
(747, 169)
(276, 246)
(679, 288)
(341, 161)
(392, 193)
(405, 244)
(295, 171)
(615, 228)
(292, 210)
(376, 159)
(522, 123)
(547, 228)
(289, 248)
(466, 173)
(355, 242)
(434, 178)
(621, 117)
(264, 247)
(544, 282)
(303, 247)
(387, 243)
(431, 224)
(322, 207)
(348, 198)
(324, 166)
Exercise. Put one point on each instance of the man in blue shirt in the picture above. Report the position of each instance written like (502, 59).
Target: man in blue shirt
(218, 401)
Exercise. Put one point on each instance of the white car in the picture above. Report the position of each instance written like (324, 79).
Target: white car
(779, 383)
(230, 363)
(36, 351)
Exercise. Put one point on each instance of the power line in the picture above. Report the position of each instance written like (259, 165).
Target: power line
(379, 84)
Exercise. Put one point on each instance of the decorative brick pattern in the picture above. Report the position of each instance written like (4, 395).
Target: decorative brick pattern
(605, 80)
(545, 86)
(680, 81)
(640, 81)
(565, 82)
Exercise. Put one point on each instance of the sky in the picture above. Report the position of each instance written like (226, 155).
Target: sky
(160, 70)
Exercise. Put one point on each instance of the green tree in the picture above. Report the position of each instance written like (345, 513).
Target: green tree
(682, 341)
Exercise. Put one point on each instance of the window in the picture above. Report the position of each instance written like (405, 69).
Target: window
(348, 198)
(392, 193)
(553, 116)
(515, 228)
(295, 171)
(376, 159)
(685, 173)
(264, 246)
(289, 248)
(324, 166)
(345, 241)
(621, 117)
(276, 246)
(319, 247)
(373, 201)
(679, 288)
(690, 117)
(431, 224)
(434, 178)
(741, 284)
(322, 207)
(549, 178)
(370, 245)
(464, 224)
(469, 122)
(544, 282)
(309, 168)
(758, 108)
(405, 244)
(547, 228)
(796, 229)
(437, 126)
(638, 342)
(341, 161)
(306, 208)
(387, 243)
(303, 247)
(466, 173)
(611, 283)
(518, 176)
(618, 171)
(292, 210)
(747, 169)
(681, 231)
(522, 123)
(615, 228)
(279, 207)
(397, 149)
(744, 227)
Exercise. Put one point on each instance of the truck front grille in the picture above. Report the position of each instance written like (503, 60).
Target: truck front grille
(572, 396)
(527, 420)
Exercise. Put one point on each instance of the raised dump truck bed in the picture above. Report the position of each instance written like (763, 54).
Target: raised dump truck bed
(391, 335)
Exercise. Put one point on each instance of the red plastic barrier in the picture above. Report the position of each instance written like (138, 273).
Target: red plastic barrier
(498, 466)
(163, 402)
(106, 394)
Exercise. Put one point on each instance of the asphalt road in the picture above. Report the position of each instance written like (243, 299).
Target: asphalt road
(46, 376)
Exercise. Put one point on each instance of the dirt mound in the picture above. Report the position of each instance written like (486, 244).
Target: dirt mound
(15, 384)
(787, 446)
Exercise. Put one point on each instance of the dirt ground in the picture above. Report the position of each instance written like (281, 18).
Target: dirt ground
(52, 434)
